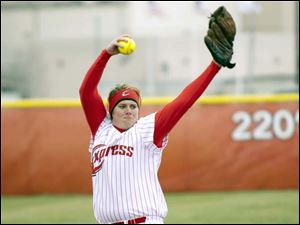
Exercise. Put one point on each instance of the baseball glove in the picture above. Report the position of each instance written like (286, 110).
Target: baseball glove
(220, 37)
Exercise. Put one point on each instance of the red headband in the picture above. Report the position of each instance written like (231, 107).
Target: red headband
(123, 95)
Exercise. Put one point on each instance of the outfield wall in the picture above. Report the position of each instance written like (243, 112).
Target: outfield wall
(222, 143)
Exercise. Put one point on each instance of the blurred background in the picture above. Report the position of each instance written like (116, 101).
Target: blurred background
(47, 47)
(232, 158)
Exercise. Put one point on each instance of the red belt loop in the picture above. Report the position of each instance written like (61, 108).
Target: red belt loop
(134, 221)
(137, 220)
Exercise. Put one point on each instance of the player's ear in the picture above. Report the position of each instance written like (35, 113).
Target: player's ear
(139, 112)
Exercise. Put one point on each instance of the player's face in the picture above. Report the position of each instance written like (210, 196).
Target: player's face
(125, 114)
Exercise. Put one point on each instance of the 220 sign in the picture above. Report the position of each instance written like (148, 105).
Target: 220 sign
(264, 125)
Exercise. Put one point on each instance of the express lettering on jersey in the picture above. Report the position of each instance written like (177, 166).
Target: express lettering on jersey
(100, 151)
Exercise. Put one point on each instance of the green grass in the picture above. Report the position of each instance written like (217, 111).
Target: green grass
(259, 207)
(255, 207)
(47, 209)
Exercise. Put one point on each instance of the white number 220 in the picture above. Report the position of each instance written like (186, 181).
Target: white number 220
(281, 125)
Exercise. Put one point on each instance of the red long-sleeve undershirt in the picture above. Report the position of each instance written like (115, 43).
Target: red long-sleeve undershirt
(165, 119)
(91, 101)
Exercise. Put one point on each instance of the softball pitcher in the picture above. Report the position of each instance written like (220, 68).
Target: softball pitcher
(126, 149)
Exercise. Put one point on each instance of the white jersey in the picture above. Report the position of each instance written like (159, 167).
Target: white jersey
(124, 172)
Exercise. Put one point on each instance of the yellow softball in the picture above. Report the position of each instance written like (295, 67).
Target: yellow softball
(127, 47)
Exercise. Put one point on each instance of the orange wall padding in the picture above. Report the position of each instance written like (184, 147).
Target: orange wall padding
(45, 150)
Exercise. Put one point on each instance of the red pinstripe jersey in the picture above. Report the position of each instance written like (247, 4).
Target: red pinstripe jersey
(125, 166)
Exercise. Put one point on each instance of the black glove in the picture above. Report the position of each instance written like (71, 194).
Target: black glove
(220, 37)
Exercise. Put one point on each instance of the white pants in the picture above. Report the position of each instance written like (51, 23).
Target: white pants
(150, 220)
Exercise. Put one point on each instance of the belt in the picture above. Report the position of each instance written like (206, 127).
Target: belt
(133, 221)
